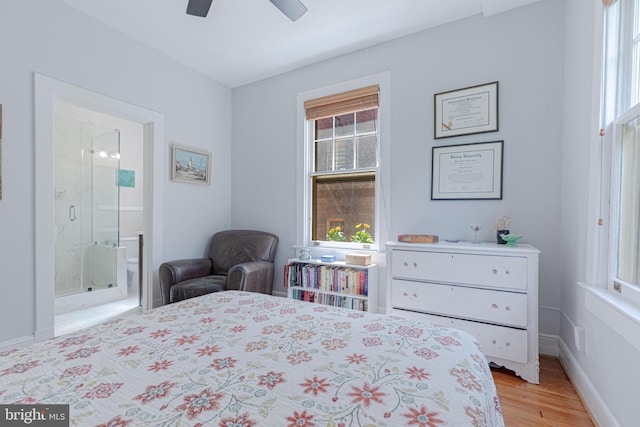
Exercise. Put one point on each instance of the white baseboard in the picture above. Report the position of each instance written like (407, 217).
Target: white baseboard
(548, 344)
(44, 334)
(15, 343)
(599, 411)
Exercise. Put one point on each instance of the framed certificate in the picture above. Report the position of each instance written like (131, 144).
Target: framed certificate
(466, 111)
(467, 172)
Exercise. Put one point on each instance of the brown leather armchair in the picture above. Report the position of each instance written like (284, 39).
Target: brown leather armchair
(238, 260)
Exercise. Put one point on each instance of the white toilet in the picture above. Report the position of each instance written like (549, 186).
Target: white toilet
(132, 274)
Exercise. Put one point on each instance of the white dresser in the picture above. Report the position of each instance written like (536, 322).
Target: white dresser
(486, 289)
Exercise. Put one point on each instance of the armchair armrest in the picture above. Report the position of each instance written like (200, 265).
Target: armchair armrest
(172, 272)
(255, 276)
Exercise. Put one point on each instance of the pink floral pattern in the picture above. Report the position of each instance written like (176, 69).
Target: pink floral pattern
(206, 362)
(195, 404)
(102, 390)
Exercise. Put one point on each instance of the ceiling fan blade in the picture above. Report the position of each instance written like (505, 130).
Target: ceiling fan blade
(294, 9)
(199, 7)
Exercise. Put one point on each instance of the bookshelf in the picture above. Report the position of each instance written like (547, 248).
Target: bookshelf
(332, 283)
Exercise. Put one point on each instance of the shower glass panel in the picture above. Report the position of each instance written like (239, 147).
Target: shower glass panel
(87, 206)
(105, 164)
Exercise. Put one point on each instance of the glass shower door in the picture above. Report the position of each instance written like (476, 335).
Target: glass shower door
(87, 158)
(105, 210)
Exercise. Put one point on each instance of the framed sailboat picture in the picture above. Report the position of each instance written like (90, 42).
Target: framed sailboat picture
(190, 165)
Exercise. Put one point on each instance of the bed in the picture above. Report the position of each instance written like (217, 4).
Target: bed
(243, 359)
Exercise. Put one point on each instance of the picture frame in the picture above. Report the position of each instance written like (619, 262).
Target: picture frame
(467, 171)
(190, 165)
(466, 111)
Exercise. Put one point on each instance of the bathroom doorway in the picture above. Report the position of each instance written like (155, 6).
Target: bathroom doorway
(98, 162)
(49, 91)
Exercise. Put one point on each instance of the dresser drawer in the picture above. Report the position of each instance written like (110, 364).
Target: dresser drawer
(505, 308)
(495, 341)
(508, 272)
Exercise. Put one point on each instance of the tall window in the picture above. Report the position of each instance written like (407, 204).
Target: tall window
(343, 167)
(621, 113)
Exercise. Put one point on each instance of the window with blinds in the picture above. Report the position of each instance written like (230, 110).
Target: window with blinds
(344, 135)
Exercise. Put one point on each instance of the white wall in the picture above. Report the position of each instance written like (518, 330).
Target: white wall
(53, 39)
(522, 49)
(605, 371)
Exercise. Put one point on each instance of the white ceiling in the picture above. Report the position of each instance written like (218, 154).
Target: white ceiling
(242, 41)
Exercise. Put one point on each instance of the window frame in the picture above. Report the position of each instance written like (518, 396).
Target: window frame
(304, 159)
(612, 173)
(615, 112)
(312, 177)
(615, 310)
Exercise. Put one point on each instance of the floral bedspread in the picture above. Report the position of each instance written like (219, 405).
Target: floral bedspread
(243, 359)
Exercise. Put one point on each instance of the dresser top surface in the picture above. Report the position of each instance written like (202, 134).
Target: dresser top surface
(480, 247)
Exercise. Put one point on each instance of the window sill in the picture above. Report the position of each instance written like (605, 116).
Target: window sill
(378, 257)
(616, 312)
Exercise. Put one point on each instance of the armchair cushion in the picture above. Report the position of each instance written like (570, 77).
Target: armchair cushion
(196, 287)
(238, 260)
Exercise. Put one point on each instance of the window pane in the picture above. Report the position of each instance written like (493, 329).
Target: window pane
(366, 151)
(344, 154)
(324, 160)
(344, 125)
(629, 204)
(350, 201)
(636, 19)
(635, 74)
(324, 128)
(366, 121)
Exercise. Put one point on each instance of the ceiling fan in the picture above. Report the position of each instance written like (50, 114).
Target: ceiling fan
(293, 9)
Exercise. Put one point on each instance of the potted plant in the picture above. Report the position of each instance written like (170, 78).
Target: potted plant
(336, 234)
(362, 234)
(502, 227)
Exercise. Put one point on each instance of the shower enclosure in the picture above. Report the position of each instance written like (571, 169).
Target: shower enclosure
(90, 265)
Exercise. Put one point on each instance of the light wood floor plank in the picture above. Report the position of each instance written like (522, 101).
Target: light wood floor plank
(553, 402)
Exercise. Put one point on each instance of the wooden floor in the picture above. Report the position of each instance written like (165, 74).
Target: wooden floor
(553, 402)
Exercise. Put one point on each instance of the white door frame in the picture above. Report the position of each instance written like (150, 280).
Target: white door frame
(47, 90)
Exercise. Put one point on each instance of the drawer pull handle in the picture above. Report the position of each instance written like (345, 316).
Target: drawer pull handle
(508, 344)
(404, 294)
(508, 308)
(405, 264)
(494, 305)
(415, 265)
(494, 271)
(493, 342)
(508, 272)
(415, 295)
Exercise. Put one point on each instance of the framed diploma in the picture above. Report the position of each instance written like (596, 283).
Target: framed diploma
(466, 111)
(467, 172)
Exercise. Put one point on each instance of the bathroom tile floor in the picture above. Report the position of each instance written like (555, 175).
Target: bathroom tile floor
(76, 320)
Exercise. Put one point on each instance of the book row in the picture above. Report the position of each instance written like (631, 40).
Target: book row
(328, 278)
(330, 299)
